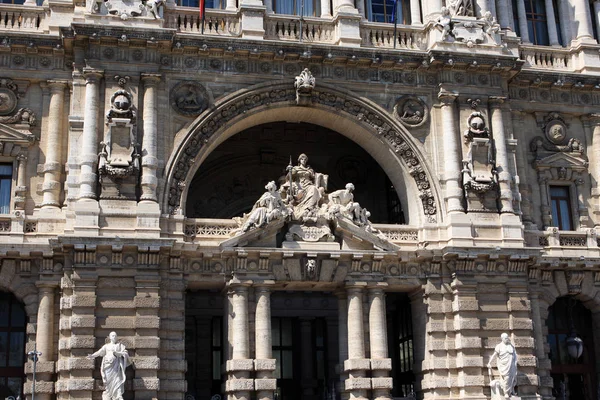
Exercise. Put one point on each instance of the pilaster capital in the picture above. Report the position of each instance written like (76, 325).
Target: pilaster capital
(92, 75)
(497, 101)
(447, 98)
(56, 86)
(21, 157)
(150, 79)
(263, 288)
(593, 119)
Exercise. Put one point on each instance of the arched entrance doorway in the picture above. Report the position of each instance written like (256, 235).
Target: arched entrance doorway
(233, 176)
(573, 378)
(13, 322)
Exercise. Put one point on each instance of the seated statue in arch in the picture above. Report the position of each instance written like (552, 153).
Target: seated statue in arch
(268, 208)
(305, 190)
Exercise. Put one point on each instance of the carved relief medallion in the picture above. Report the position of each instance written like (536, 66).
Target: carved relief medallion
(410, 111)
(555, 129)
(189, 98)
(8, 96)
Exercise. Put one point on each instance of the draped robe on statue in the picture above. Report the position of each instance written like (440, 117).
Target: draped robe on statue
(507, 366)
(115, 360)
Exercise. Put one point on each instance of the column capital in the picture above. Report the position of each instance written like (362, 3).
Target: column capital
(56, 86)
(92, 75)
(497, 101)
(46, 286)
(593, 118)
(150, 79)
(21, 157)
(447, 98)
(263, 287)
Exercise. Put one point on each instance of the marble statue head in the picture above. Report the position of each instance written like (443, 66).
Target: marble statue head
(303, 159)
(271, 186)
(350, 187)
(112, 337)
(505, 338)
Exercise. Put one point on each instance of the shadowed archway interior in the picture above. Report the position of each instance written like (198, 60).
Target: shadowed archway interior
(234, 175)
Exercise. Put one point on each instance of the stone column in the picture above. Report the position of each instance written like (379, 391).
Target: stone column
(269, 6)
(544, 196)
(356, 364)
(239, 384)
(89, 140)
(52, 167)
(21, 188)
(344, 6)
(482, 6)
(550, 17)
(544, 365)
(380, 363)
(523, 30)
(503, 14)
(149, 142)
(582, 23)
(44, 340)
(231, 5)
(582, 210)
(597, 17)
(264, 363)
(502, 167)
(415, 12)
(342, 339)
(593, 122)
(325, 9)
(452, 154)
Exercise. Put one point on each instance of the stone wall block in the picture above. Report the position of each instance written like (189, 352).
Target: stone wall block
(381, 364)
(148, 322)
(173, 345)
(82, 342)
(462, 305)
(83, 301)
(83, 322)
(265, 384)
(470, 380)
(41, 367)
(76, 384)
(75, 364)
(146, 363)
(118, 323)
(173, 385)
(268, 364)
(358, 383)
(468, 343)
(146, 302)
(112, 304)
(469, 362)
(146, 342)
(239, 385)
(523, 342)
(519, 305)
(436, 326)
(526, 379)
(522, 324)
(239, 365)
(527, 361)
(382, 383)
(146, 384)
(357, 364)
(65, 303)
(64, 324)
(40, 387)
(467, 323)
(436, 344)
(64, 344)
(176, 325)
(496, 324)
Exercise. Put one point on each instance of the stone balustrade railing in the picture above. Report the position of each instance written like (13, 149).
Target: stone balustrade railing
(312, 30)
(23, 18)
(375, 34)
(216, 22)
(552, 237)
(546, 58)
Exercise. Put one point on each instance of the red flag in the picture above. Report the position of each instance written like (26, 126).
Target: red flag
(202, 14)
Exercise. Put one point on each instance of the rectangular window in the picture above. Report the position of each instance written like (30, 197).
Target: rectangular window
(560, 201)
(5, 187)
(306, 8)
(215, 4)
(383, 11)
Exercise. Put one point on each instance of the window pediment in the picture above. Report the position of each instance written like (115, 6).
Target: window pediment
(574, 161)
(13, 140)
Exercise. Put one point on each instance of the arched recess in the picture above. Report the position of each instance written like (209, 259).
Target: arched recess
(356, 118)
(580, 286)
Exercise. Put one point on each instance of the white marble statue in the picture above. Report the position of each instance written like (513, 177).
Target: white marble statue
(342, 202)
(115, 360)
(268, 208)
(506, 356)
(307, 189)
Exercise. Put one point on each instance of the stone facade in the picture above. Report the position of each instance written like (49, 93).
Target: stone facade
(119, 120)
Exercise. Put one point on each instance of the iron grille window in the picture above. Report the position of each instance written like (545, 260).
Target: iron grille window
(282, 335)
(400, 332)
(12, 345)
(560, 201)
(395, 212)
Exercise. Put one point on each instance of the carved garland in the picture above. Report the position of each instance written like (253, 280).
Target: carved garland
(253, 100)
